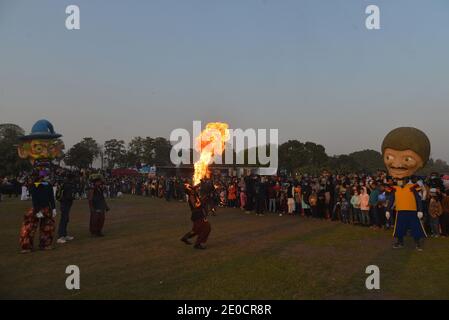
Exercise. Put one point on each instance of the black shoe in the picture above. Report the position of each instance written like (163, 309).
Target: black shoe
(398, 246)
(186, 241)
(200, 246)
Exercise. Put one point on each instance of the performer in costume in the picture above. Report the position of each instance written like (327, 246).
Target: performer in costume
(201, 227)
(40, 147)
(405, 151)
(41, 215)
(97, 206)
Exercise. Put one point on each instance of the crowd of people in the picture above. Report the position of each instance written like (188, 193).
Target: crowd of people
(357, 199)
(114, 186)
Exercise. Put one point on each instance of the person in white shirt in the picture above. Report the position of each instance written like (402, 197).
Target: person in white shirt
(24, 195)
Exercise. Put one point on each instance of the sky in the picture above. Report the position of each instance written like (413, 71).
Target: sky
(308, 68)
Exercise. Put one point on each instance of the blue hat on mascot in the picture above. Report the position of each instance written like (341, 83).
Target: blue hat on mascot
(42, 129)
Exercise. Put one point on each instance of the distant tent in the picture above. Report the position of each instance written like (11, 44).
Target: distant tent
(124, 172)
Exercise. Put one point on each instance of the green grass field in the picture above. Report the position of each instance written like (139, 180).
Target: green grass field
(248, 257)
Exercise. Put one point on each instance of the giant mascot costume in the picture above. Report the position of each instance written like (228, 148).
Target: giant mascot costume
(40, 147)
(405, 150)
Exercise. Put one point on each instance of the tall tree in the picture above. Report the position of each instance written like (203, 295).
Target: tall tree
(291, 155)
(82, 154)
(114, 151)
(343, 164)
(154, 151)
(161, 151)
(136, 152)
(316, 154)
(148, 151)
(11, 164)
(368, 160)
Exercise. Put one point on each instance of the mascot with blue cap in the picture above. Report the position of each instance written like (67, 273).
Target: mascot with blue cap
(40, 147)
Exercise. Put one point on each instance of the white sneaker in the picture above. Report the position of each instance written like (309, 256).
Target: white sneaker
(61, 240)
(68, 238)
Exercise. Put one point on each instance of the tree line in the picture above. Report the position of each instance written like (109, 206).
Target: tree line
(295, 157)
(116, 153)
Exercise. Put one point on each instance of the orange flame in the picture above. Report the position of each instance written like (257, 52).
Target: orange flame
(210, 142)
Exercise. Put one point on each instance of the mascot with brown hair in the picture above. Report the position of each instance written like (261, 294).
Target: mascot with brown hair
(40, 147)
(405, 151)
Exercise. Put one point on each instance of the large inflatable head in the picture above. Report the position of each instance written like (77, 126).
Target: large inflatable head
(42, 144)
(405, 150)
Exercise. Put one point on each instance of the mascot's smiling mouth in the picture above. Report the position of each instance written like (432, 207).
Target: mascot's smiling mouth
(399, 168)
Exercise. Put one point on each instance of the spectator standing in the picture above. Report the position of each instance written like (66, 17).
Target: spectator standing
(98, 206)
(364, 207)
(444, 218)
(65, 196)
(435, 211)
(355, 203)
(271, 198)
(290, 198)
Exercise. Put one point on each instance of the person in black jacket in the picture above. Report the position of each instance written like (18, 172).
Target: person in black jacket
(97, 206)
(65, 197)
(260, 195)
(42, 214)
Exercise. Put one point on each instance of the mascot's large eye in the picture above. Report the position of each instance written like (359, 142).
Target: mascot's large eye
(408, 159)
(389, 157)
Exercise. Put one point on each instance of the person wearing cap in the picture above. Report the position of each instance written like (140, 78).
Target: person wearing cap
(97, 206)
(40, 147)
(405, 150)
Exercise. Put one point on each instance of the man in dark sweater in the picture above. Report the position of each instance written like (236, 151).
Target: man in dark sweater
(65, 197)
(97, 206)
(42, 214)
(261, 196)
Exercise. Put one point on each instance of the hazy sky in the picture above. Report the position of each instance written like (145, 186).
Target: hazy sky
(309, 68)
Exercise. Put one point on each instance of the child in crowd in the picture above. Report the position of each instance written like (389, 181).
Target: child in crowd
(355, 204)
(344, 210)
(364, 207)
